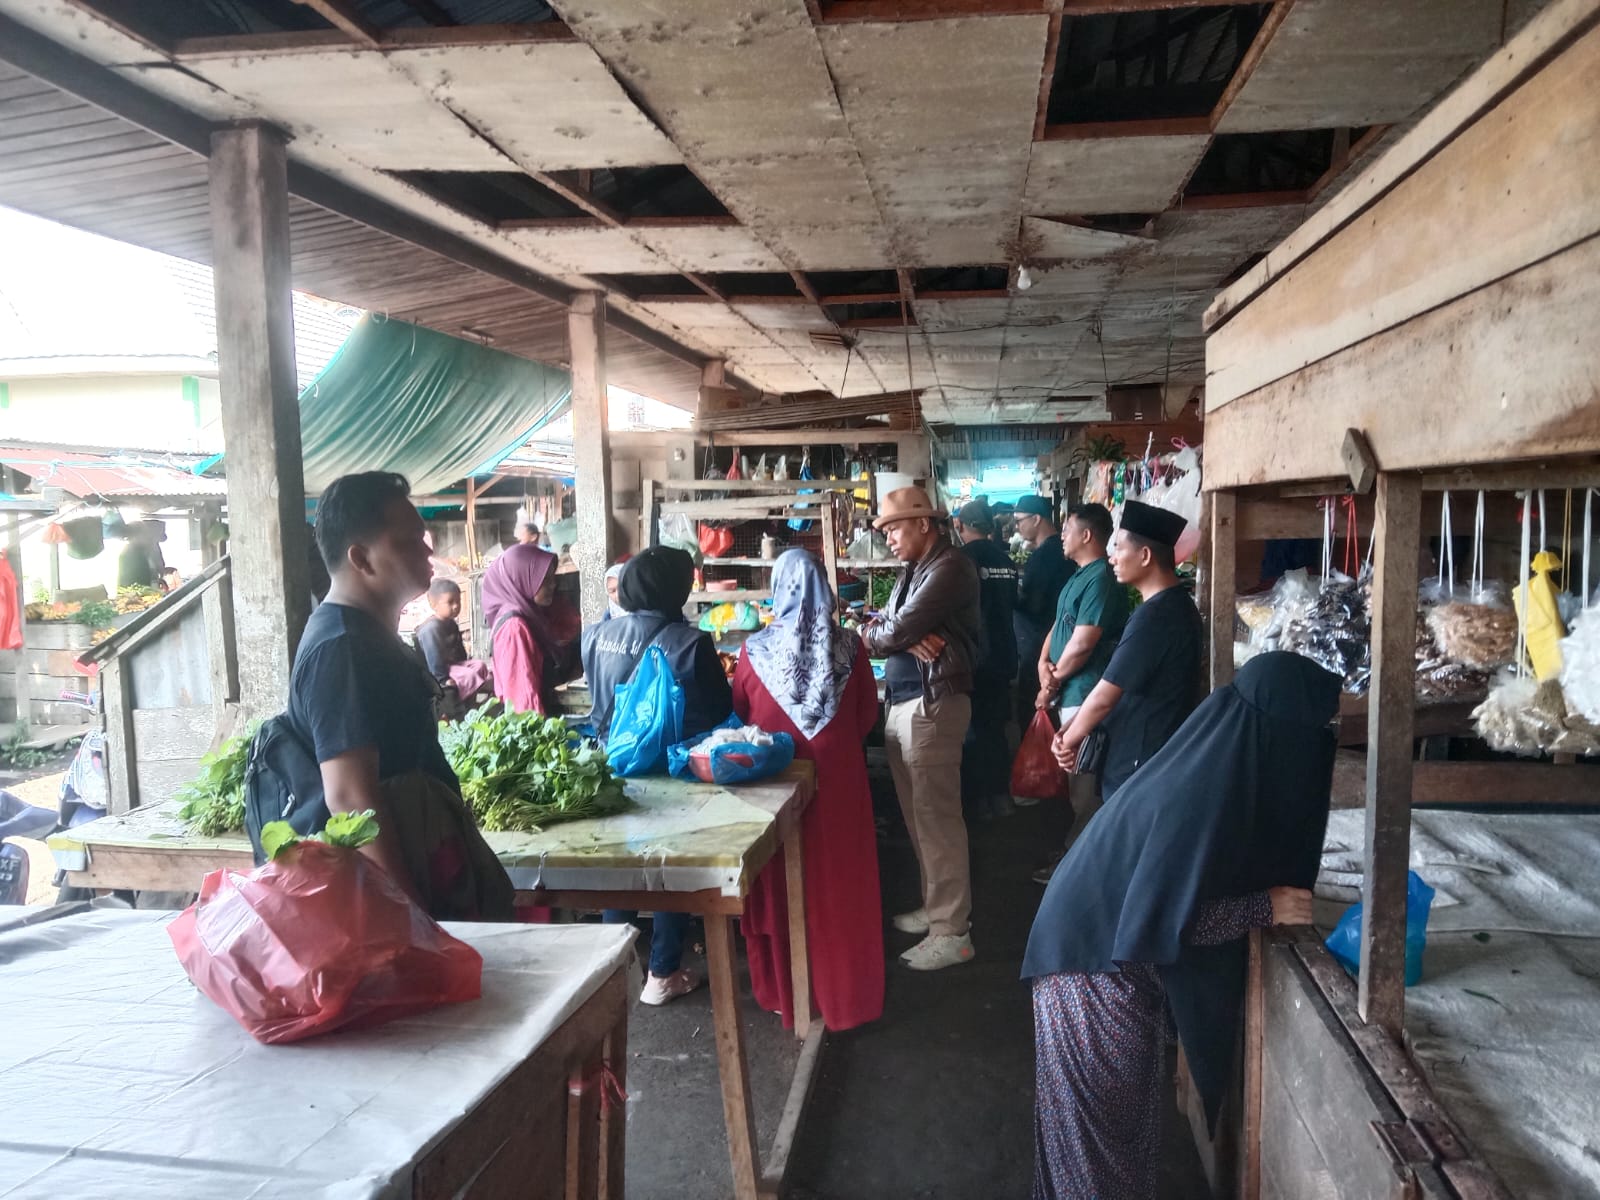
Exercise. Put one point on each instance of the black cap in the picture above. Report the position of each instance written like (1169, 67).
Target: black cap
(1153, 524)
(974, 511)
(1037, 506)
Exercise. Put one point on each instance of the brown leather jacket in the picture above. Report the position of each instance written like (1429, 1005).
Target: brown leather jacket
(939, 594)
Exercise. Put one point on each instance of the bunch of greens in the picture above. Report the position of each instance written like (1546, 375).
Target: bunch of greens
(522, 772)
(882, 587)
(347, 829)
(213, 802)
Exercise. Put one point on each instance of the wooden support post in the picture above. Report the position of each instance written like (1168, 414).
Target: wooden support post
(122, 780)
(267, 528)
(715, 394)
(649, 514)
(1224, 569)
(13, 552)
(221, 647)
(472, 521)
(593, 551)
(794, 870)
(737, 1107)
(1250, 1134)
(830, 543)
(1390, 720)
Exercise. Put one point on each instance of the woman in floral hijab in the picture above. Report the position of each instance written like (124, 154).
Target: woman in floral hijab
(805, 676)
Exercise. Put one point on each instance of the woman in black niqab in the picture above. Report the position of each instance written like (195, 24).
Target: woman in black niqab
(1219, 833)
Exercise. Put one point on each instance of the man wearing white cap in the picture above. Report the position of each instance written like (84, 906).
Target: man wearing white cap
(929, 634)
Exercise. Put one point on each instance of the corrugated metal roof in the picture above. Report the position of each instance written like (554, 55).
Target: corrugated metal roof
(88, 474)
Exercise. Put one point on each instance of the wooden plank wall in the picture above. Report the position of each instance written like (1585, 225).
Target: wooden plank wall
(1415, 321)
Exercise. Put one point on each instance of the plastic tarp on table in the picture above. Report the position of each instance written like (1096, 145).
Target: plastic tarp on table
(122, 1079)
(1503, 1023)
(679, 836)
(398, 397)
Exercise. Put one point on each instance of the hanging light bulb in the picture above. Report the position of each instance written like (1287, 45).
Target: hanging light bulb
(1024, 279)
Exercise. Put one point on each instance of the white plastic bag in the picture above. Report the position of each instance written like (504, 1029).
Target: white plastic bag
(1580, 666)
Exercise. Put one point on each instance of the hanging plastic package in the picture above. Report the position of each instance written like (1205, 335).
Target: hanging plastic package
(1035, 775)
(1541, 616)
(318, 938)
(1182, 496)
(715, 539)
(1580, 666)
(1344, 943)
(678, 531)
(732, 753)
(86, 536)
(648, 717)
(800, 524)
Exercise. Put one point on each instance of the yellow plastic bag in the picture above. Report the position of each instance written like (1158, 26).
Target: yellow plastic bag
(1541, 617)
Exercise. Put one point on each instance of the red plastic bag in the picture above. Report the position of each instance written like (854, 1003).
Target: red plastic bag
(318, 939)
(1035, 774)
(715, 540)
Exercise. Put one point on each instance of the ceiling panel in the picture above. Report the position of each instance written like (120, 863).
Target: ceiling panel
(1110, 175)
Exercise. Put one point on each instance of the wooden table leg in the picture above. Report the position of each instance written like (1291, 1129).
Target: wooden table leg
(737, 1110)
(614, 1113)
(799, 953)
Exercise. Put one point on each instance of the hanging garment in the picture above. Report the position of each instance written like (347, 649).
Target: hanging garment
(10, 608)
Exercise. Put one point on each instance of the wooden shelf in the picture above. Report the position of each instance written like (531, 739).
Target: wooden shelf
(708, 597)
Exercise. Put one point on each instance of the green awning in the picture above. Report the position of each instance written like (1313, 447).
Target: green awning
(398, 397)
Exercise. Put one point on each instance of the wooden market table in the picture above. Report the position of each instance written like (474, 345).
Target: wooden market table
(684, 847)
(125, 1080)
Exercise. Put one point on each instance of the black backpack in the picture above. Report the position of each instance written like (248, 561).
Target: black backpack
(282, 782)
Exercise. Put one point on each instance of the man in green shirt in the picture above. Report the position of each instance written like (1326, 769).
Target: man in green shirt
(1090, 615)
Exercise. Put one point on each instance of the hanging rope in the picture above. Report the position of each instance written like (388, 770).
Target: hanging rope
(1476, 582)
(1447, 554)
(1588, 541)
(1352, 547)
(1522, 584)
(1327, 539)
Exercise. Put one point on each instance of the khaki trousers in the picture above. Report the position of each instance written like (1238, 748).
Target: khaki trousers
(923, 740)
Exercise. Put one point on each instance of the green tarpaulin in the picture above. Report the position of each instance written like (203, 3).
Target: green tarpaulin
(397, 397)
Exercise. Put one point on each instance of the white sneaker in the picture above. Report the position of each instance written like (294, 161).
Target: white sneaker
(915, 921)
(1024, 801)
(939, 950)
(659, 990)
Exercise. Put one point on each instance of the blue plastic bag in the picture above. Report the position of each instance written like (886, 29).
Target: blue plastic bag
(647, 719)
(734, 762)
(1344, 943)
(801, 524)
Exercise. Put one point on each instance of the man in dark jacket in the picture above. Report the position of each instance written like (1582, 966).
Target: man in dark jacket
(985, 762)
(1043, 576)
(930, 634)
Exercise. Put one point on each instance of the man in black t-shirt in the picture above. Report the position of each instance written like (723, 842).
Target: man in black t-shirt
(363, 703)
(1153, 680)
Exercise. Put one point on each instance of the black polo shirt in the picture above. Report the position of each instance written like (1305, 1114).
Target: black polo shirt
(1157, 664)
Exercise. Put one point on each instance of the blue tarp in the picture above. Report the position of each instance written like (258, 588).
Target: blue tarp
(398, 397)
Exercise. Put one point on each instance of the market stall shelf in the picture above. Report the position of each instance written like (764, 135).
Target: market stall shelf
(518, 1092)
(683, 847)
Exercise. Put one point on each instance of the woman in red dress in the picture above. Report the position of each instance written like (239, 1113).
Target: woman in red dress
(534, 631)
(807, 677)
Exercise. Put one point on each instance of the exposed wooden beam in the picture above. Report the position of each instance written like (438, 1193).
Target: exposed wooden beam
(806, 289)
(1083, 8)
(403, 38)
(880, 323)
(908, 286)
(1156, 127)
(1243, 200)
(706, 286)
(1047, 77)
(572, 194)
(836, 12)
(722, 221)
(343, 16)
(862, 298)
(572, 224)
(1252, 56)
(1341, 163)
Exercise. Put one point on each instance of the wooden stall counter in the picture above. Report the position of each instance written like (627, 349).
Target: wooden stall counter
(137, 1085)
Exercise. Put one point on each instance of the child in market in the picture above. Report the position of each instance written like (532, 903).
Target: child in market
(439, 639)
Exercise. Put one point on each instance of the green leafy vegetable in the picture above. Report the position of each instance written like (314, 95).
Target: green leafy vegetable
(521, 772)
(213, 802)
(348, 830)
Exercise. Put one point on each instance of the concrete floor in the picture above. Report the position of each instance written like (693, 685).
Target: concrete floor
(933, 1102)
